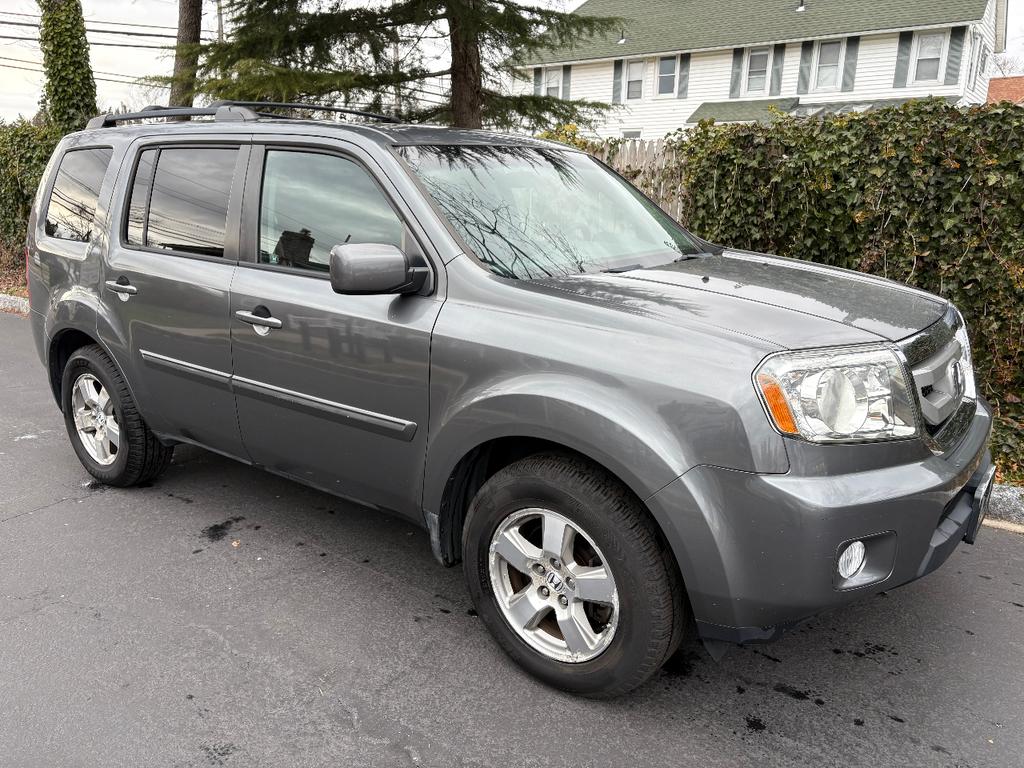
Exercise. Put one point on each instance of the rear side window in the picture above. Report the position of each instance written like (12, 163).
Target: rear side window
(71, 210)
(179, 199)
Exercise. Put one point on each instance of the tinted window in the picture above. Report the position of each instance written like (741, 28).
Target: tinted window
(72, 206)
(188, 193)
(313, 202)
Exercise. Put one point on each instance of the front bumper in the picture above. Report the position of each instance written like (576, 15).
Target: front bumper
(758, 552)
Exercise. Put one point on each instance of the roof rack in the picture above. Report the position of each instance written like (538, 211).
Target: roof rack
(314, 107)
(220, 112)
(227, 111)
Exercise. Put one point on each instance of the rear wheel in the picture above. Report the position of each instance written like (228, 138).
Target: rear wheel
(567, 572)
(112, 441)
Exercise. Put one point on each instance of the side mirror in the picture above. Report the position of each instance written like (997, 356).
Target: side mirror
(367, 268)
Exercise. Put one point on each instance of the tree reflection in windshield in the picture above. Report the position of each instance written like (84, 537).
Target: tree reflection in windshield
(530, 212)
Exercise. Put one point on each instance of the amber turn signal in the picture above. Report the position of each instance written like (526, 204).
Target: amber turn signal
(778, 407)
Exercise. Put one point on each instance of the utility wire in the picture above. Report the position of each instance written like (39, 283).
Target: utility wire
(101, 21)
(101, 79)
(100, 31)
(91, 42)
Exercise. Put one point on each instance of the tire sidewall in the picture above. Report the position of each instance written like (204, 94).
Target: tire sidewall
(617, 665)
(80, 363)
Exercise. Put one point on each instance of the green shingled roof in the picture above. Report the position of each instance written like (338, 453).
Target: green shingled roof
(655, 26)
(735, 111)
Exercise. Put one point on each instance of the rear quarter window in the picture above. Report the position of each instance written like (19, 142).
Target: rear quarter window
(71, 209)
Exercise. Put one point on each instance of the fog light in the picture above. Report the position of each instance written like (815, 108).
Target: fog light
(852, 560)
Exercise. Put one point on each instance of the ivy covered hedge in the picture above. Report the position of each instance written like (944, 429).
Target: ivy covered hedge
(24, 149)
(926, 194)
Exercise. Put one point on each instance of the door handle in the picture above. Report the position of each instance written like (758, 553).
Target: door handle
(259, 322)
(122, 288)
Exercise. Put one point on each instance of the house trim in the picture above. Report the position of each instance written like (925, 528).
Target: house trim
(786, 41)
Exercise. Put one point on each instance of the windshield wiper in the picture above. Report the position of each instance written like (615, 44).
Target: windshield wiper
(627, 268)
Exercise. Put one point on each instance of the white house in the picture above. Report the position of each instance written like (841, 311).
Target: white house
(675, 62)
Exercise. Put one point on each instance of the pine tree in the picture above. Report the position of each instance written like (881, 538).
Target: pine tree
(330, 54)
(70, 91)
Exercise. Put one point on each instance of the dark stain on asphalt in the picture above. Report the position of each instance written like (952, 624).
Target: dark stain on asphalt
(793, 693)
(1019, 605)
(323, 554)
(983, 576)
(444, 610)
(858, 722)
(740, 689)
(197, 551)
(897, 719)
(969, 632)
(471, 612)
(755, 724)
(820, 702)
(681, 664)
(95, 485)
(218, 531)
(217, 754)
(768, 656)
(185, 499)
(941, 750)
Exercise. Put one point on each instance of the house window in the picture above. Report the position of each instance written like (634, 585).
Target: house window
(827, 68)
(667, 75)
(553, 82)
(631, 134)
(635, 80)
(758, 63)
(929, 53)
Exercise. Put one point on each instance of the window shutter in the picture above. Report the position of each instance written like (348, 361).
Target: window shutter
(617, 82)
(956, 51)
(806, 56)
(566, 80)
(737, 73)
(538, 81)
(684, 76)
(903, 60)
(850, 63)
(778, 59)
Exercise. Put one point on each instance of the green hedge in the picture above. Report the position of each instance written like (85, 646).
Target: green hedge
(927, 194)
(24, 149)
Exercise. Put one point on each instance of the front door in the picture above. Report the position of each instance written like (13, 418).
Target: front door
(166, 285)
(330, 389)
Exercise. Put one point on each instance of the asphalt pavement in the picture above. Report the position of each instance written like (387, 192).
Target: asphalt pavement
(223, 616)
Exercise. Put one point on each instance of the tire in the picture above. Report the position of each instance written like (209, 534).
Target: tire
(137, 456)
(647, 598)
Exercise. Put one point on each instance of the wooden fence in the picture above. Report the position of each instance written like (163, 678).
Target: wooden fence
(653, 166)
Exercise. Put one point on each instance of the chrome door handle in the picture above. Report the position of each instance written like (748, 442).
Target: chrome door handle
(123, 290)
(257, 320)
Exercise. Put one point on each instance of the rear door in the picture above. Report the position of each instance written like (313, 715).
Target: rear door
(334, 391)
(166, 285)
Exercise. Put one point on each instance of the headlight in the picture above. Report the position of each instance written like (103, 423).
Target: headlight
(846, 394)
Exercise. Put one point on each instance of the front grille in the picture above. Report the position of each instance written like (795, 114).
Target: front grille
(940, 366)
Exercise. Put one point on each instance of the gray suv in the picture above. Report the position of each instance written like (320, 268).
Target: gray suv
(623, 432)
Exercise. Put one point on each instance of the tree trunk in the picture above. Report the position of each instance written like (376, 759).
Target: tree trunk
(186, 56)
(467, 83)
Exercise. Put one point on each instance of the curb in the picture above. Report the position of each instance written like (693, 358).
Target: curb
(1008, 504)
(9, 303)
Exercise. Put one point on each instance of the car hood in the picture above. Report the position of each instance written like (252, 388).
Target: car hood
(787, 302)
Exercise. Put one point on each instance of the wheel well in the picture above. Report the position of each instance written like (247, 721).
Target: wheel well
(63, 346)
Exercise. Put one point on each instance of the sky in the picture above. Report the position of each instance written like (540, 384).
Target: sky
(114, 65)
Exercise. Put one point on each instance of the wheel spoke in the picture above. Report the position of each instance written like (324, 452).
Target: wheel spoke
(579, 635)
(113, 433)
(81, 418)
(86, 390)
(102, 399)
(594, 584)
(526, 608)
(517, 551)
(557, 537)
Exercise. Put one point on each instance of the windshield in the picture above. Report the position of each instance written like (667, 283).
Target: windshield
(531, 212)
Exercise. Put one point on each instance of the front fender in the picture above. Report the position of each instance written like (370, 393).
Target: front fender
(622, 435)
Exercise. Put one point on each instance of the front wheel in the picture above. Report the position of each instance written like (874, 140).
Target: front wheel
(567, 572)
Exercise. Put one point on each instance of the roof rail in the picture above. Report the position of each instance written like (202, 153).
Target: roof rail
(316, 107)
(220, 112)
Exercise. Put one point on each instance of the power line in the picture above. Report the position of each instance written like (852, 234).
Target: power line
(95, 71)
(99, 31)
(91, 42)
(101, 79)
(102, 21)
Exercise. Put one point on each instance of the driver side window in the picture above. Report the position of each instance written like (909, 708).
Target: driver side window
(311, 202)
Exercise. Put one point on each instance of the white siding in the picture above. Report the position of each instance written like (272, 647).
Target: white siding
(710, 75)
